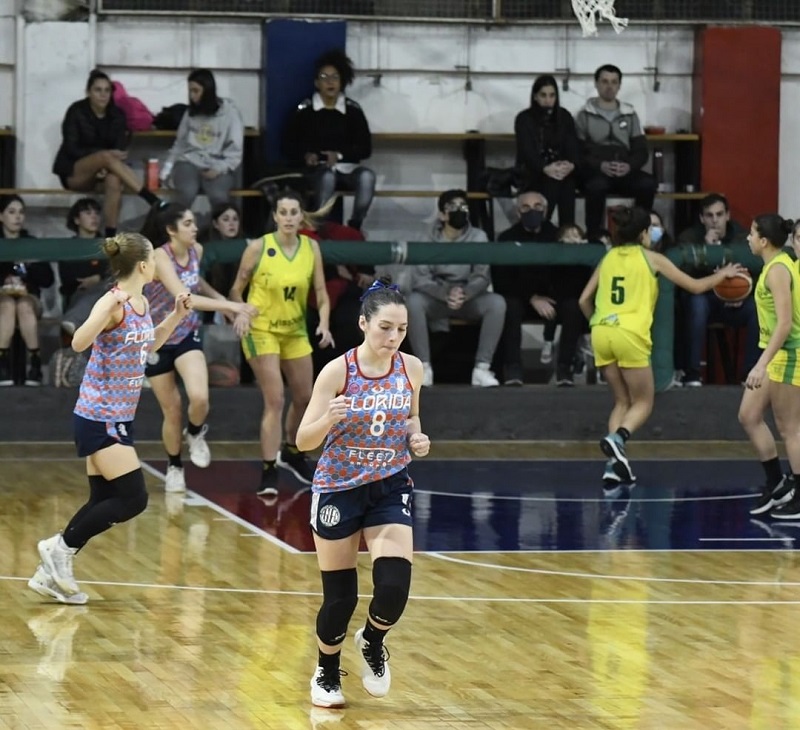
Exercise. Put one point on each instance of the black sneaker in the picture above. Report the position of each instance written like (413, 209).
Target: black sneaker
(269, 483)
(564, 378)
(790, 510)
(5, 370)
(296, 462)
(34, 374)
(772, 497)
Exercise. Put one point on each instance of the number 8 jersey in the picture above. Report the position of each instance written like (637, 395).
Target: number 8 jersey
(371, 442)
(626, 291)
(114, 375)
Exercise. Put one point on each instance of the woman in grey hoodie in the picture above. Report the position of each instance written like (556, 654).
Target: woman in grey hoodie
(208, 146)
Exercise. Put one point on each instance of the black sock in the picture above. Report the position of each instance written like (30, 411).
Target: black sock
(772, 469)
(374, 635)
(329, 662)
(175, 460)
(193, 430)
(111, 232)
(269, 464)
(623, 433)
(34, 355)
(149, 197)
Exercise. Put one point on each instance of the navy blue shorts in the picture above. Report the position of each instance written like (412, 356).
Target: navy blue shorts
(336, 515)
(92, 436)
(163, 361)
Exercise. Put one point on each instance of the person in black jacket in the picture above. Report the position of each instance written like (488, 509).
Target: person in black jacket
(93, 150)
(547, 149)
(329, 135)
(20, 283)
(538, 291)
(83, 281)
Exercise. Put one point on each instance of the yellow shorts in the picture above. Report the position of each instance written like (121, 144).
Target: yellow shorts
(785, 367)
(287, 347)
(616, 345)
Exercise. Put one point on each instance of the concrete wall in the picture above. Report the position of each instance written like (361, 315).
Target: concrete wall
(43, 68)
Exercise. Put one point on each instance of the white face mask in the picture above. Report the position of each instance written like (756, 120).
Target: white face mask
(656, 234)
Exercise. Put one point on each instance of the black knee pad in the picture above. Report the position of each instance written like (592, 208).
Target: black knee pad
(339, 600)
(391, 578)
(130, 495)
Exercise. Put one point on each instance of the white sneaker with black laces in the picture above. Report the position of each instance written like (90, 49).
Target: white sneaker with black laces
(199, 453)
(44, 585)
(326, 688)
(375, 674)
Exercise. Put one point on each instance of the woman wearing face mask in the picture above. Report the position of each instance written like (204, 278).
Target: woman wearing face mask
(547, 148)
(20, 283)
(660, 240)
(455, 290)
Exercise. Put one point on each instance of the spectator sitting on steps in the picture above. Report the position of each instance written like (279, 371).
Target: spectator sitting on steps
(443, 291)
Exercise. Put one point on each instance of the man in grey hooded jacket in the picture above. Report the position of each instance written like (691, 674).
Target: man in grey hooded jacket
(613, 150)
(462, 291)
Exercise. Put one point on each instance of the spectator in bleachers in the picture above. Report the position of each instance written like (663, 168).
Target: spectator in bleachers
(83, 281)
(226, 225)
(329, 135)
(345, 286)
(20, 283)
(613, 150)
(547, 149)
(208, 147)
(538, 291)
(660, 238)
(714, 228)
(94, 149)
(459, 291)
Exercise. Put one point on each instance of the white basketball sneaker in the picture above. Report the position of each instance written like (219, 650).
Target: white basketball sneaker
(57, 561)
(199, 453)
(175, 481)
(326, 688)
(375, 674)
(44, 585)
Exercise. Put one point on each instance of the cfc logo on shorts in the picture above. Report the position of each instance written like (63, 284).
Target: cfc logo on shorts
(329, 516)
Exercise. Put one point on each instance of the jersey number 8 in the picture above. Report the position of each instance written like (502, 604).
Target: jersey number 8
(378, 425)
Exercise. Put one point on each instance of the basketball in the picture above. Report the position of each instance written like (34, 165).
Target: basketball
(734, 289)
(222, 375)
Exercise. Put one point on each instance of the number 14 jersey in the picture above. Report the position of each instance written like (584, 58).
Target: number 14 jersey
(371, 442)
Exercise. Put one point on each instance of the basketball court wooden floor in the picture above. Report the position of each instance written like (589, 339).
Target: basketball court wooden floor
(536, 602)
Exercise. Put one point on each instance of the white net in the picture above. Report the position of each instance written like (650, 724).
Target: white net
(590, 11)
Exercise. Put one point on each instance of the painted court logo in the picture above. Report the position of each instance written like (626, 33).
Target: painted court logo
(329, 516)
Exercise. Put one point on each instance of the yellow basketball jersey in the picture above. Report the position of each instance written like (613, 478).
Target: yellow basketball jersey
(280, 286)
(765, 304)
(626, 291)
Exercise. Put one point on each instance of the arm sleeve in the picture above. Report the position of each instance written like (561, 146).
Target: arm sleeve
(359, 146)
(478, 282)
(74, 146)
(425, 282)
(233, 149)
(181, 143)
(529, 154)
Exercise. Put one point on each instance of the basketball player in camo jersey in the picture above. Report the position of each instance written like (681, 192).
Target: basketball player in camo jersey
(365, 406)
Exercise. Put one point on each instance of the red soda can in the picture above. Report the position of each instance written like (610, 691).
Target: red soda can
(151, 174)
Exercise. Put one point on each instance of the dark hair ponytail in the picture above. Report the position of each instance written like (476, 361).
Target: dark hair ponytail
(629, 224)
(381, 292)
(774, 228)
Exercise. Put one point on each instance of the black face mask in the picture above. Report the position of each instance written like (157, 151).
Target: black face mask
(532, 219)
(458, 219)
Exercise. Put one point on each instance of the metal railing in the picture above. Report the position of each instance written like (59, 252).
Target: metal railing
(779, 12)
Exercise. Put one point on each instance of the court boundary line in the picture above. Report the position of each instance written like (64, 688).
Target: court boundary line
(249, 526)
(601, 576)
(459, 599)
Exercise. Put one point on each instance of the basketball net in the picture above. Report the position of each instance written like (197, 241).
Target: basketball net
(589, 11)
